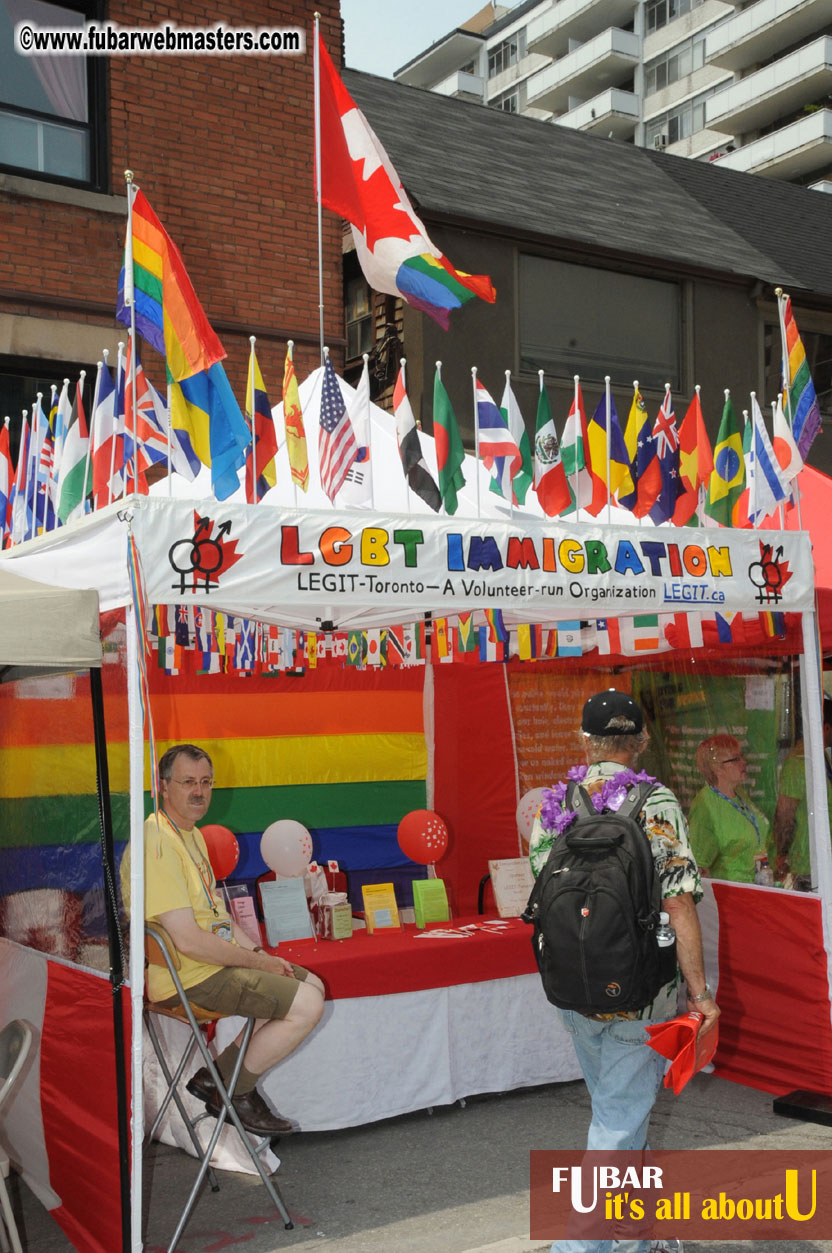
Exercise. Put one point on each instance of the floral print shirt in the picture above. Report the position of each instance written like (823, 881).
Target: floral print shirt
(665, 826)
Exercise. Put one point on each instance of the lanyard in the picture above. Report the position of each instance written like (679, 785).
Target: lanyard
(741, 808)
(205, 884)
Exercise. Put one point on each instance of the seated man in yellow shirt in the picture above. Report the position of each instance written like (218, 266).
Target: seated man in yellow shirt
(221, 968)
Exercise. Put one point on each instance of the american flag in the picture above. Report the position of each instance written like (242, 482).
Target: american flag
(337, 447)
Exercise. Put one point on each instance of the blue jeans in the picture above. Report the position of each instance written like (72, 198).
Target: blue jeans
(623, 1076)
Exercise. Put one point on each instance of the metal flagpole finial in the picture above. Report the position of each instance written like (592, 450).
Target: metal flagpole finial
(606, 378)
(252, 339)
(727, 392)
(635, 385)
(473, 370)
(697, 389)
(439, 368)
(128, 177)
(667, 387)
(326, 352)
(82, 375)
(39, 395)
(507, 374)
(778, 291)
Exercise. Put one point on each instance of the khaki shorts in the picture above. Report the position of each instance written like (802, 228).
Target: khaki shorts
(249, 993)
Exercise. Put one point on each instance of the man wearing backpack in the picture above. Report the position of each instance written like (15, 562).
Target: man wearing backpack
(622, 1074)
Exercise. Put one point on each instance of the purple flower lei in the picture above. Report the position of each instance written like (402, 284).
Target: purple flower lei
(554, 816)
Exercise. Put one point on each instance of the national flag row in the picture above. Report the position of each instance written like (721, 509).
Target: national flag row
(188, 636)
(654, 469)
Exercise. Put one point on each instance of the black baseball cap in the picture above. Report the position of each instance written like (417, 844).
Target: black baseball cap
(604, 707)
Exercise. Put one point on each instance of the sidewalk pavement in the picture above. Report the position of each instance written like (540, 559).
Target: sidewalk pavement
(455, 1181)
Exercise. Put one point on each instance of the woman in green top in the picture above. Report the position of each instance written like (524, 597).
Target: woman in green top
(728, 834)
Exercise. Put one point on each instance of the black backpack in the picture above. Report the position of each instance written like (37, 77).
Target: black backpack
(595, 908)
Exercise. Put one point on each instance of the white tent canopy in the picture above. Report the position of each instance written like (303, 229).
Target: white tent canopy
(47, 626)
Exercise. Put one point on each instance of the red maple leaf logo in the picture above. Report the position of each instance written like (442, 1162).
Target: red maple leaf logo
(203, 557)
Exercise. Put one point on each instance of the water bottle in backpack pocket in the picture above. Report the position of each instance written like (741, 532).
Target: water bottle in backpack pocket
(595, 912)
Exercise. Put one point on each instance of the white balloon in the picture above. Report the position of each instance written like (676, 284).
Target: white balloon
(528, 810)
(286, 848)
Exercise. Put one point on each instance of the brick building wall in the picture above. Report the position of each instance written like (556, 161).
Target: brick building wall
(223, 148)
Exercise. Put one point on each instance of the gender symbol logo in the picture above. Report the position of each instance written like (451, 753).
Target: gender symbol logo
(203, 557)
(769, 575)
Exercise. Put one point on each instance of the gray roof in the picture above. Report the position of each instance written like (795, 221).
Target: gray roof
(465, 162)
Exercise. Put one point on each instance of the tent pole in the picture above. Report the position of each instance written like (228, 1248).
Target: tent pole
(136, 745)
(812, 711)
(116, 949)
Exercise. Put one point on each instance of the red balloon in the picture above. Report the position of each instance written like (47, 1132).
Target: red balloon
(423, 836)
(223, 849)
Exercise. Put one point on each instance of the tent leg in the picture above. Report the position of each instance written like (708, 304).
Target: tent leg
(116, 950)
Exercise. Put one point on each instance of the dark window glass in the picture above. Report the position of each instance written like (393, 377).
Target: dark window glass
(575, 319)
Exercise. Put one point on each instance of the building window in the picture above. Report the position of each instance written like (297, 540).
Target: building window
(22, 378)
(506, 53)
(674, 64)
(509, 101)
(48, 103)
(678, 123)
(359, 318)
(658, 13)
(575, 319)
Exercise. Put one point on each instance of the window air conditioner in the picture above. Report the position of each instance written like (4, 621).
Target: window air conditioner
(660, 141)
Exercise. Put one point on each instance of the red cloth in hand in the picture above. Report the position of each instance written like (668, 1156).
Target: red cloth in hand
(679, 1040)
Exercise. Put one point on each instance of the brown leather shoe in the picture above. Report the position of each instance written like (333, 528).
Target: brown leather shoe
(254, 1114)
(202, 1086)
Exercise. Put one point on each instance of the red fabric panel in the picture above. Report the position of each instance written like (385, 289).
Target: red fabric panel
(328, 678)
(475, 780)
(397, 961)
(78, 1103)
(775, 1032)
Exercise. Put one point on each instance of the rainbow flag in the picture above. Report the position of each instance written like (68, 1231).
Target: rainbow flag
(797, 381)
(168, 313)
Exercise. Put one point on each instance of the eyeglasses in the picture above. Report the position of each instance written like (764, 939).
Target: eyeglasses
(729, 760)
(200, 783)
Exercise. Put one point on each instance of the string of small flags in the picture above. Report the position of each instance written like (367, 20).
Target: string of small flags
(213, 642)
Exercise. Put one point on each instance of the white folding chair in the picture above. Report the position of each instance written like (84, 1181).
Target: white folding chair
(161, 951)
(15, 1042)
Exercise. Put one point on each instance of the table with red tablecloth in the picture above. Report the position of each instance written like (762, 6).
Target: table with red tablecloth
(414, 1020)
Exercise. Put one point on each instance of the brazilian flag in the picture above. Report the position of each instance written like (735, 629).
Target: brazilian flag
(727, 479)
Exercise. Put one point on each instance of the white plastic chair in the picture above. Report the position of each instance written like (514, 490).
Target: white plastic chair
(15, 1042)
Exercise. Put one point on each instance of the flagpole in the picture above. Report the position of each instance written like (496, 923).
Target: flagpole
(316, 72)
(119, 360)
(252, 339)
(129, 300)
(402, 365)
(55, 472)
(93, 412)
(580, 429)
(30, 530)
(37, 455)
(511, 481)
(700, 488)
(476, 431)
(785, 372)
(366, 356)
(781, 508)
(169, 433)
(290, 348)
(609, 442)
(752, 493)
